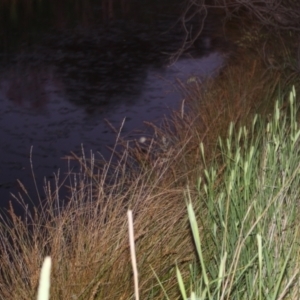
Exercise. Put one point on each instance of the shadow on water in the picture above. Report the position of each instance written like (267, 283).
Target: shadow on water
(66, 73)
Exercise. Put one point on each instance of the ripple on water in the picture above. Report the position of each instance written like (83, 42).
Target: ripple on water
(66, 99)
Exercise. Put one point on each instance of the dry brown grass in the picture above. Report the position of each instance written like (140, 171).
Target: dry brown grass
(88, 241)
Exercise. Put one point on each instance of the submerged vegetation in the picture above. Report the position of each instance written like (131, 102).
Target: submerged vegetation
(214, 193)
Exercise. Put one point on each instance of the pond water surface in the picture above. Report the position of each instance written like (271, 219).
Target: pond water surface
(60, 91)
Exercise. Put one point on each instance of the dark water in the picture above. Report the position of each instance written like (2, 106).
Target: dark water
(62, 85)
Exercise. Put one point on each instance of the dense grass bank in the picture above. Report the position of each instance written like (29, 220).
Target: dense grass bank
(228, 154)
(246, 223)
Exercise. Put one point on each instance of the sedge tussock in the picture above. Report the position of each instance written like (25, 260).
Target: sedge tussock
(87, 238)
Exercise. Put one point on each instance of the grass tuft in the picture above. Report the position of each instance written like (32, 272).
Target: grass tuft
(247, 248)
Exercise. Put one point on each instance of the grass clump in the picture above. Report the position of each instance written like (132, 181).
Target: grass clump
(87, 239)
(247, 248)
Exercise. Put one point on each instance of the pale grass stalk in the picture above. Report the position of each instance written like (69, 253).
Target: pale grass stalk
(133, 256)
(44, 284)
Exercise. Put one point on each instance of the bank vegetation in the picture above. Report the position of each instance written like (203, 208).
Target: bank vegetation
(214, 193)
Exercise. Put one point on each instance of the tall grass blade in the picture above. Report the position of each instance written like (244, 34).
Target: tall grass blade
(181, 284)
(196, 237)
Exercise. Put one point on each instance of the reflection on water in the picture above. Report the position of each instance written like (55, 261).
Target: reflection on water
(62, 92)
(42, 117)
(26, 86)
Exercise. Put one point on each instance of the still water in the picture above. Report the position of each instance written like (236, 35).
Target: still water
(66, 88)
